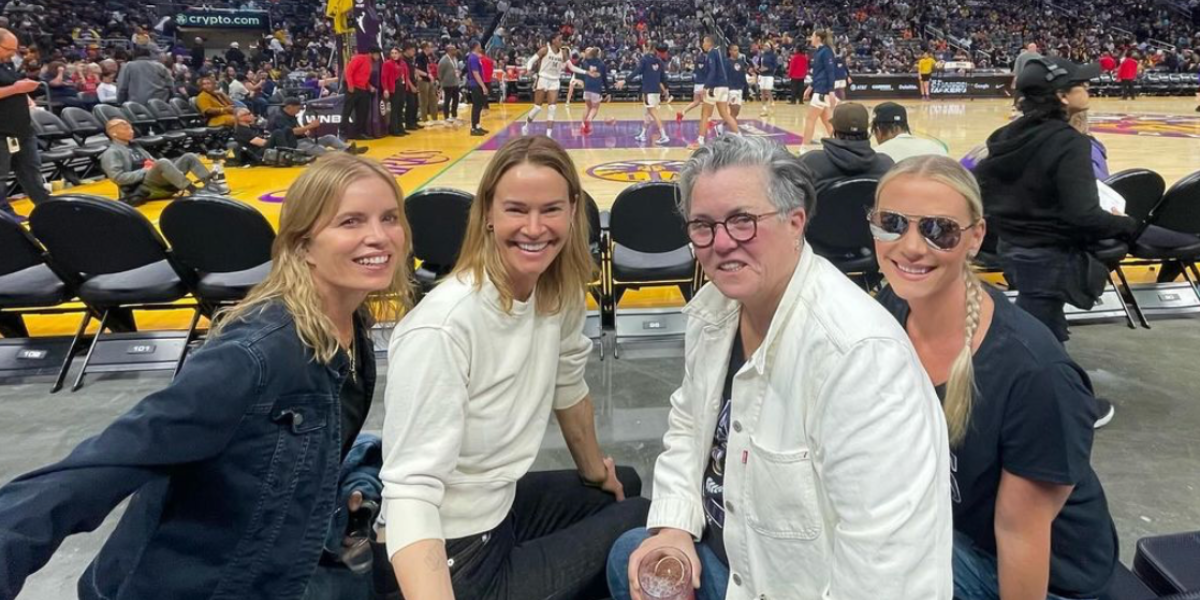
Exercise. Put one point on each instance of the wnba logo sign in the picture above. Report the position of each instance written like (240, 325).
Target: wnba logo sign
(637, 171)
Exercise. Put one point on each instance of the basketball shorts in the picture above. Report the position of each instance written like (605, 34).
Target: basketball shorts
(545, 84)
(766, 83)
(591, 97)
(839, 84)
(652, 100)
(821, 101)
(715, 95)
(735, 97)
(698, 89)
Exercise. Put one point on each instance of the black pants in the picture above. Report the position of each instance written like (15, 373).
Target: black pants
(410, 110)
(355, 112)
(1127, 89)
(797, 90)
(1040, 276)
(26, 164)
(450, 102)
(396, 117)
(476, 105)
(554, 542)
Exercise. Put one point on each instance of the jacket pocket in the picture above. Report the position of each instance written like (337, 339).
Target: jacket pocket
(781, 494)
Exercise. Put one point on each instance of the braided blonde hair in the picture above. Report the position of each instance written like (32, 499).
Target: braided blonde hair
(960, 388)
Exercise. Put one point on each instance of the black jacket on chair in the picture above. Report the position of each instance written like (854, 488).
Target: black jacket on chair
(841, 159)
(1039, 188)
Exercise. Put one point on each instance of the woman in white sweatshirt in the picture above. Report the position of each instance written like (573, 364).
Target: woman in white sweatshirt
(475, 371)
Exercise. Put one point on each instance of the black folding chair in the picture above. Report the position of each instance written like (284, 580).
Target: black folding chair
(62, 147)
(120, 260)
(29, 282)
(838, 230)
(147, 123)
(226, 242)
(1179, 215)
(438, 217)
(106, 112)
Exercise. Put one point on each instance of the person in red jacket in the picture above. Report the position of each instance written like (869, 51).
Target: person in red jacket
(1127, 74)
(488, 66)
(797, 71)
(356, 107)
(1108, 64)
(394, 79)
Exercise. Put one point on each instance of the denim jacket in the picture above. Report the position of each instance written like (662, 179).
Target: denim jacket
(233, 470)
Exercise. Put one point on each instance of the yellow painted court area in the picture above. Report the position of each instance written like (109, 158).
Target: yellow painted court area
(1162, 134)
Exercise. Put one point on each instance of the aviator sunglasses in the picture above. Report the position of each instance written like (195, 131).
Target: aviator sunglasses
(941, 233)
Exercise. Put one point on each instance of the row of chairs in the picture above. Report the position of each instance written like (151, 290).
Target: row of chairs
(111, 258)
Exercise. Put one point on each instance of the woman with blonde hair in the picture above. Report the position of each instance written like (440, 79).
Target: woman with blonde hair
(1030, 516)
(233, 467)
(477, 369)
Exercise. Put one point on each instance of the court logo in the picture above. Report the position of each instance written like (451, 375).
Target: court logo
(1176, 126)
(405, 161)
(637, 171)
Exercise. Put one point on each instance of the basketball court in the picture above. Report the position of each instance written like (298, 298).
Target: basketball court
(1158, 133)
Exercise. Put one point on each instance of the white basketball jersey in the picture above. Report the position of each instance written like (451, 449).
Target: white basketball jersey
(552, 65)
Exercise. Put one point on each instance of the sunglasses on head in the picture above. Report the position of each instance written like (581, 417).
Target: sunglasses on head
(941, 233)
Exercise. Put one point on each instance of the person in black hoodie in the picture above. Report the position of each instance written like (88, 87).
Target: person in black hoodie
(1040, 196)
(848, 153)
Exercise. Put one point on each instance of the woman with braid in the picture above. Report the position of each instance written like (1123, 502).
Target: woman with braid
(1030, 516)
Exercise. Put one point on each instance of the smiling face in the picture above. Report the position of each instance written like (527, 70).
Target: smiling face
(757, 270)
(358, 250)
(913, 268)
(531, 214)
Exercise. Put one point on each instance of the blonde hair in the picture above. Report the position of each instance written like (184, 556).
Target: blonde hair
(563, 284)
(312, 201)
(960, 388)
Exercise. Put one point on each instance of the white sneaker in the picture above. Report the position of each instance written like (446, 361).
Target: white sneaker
(662, 141)
(525, 128)
(641, 137)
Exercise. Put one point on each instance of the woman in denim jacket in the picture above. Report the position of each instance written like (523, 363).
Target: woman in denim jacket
(233, 468)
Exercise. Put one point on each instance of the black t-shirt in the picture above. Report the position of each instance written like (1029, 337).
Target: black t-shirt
(355, 403)
(1032, 416)
(423, 64)
(14, 110)
(244, 134)
(714, 475)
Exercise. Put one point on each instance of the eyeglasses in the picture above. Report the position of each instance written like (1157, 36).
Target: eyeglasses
(941, 233)
(741, 227)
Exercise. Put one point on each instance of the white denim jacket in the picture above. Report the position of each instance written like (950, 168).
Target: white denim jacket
(837, 477)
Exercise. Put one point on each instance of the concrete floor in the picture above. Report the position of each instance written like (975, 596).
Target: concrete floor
(1148, 458)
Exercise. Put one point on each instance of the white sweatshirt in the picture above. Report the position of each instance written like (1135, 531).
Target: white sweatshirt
(469, 395)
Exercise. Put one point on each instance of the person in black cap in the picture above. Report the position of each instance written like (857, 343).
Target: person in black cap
(285, 126)
(1040, 197)
(894, 138)
(848, 153)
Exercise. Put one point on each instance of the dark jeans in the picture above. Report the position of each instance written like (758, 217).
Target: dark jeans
(476, 105)
(26, 164)
(411, 106)
(553, 544)
(356, 110)
(450, 102)
(1127, 89)
(797, 90)
(396, 117)
(1039, 275)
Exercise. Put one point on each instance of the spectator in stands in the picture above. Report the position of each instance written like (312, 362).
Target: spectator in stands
(511, 316)
(294, 135)
(251, 139)
(19, 146)
(1040, 196)
(754, 449)
(356, 109)
(893, 137)
(1030, 515)
(197, 53)
(234, 55)
(62, 89)
(142, 177)
(294, 362)
(144, 79)
(394, 79)
(237, 89)
(214, 104)
(107, 92)
(797, 71)
(1127, 74)
(848, 153)
(451, 83)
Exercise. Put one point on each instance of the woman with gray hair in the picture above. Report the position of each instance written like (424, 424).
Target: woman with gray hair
(806, 454)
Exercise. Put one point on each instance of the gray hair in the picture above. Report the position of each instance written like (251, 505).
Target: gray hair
(789, 182)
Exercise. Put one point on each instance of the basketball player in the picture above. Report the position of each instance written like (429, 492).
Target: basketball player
(595, 87)
(821, 90)
(698, 75)
(768, 64)
(716, 91)
(841, 74)
(651, 69)
(547, 65)
(575, 80)
(738, 68)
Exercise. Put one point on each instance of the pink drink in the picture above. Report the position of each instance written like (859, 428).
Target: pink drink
(666, 574)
